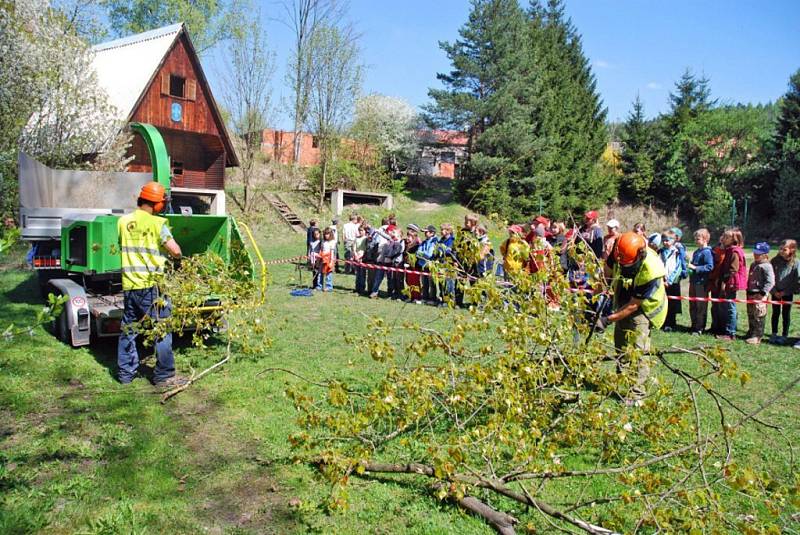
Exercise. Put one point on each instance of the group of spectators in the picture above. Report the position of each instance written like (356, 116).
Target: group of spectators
(722, 272)
(389, 246)
(719, 272)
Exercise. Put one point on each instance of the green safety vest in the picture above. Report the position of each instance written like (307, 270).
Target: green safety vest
(140, 246)
(654, 307)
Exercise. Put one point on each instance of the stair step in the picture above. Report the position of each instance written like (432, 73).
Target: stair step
(286, 213)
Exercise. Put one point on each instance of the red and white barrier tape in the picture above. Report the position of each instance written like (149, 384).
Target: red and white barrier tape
(427, 274)
(721, 300)
(285, 260)
(385, 268)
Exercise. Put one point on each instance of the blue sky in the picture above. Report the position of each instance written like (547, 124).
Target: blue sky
(747, 48)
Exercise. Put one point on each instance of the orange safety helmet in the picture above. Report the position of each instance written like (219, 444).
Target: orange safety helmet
(628, 248)
(155, 193)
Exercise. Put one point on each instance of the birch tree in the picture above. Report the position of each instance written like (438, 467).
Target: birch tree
(248, 99)
(304, 17)
(336, 74)
(524, 416)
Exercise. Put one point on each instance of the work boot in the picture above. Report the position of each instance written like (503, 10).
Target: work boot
(172, 382)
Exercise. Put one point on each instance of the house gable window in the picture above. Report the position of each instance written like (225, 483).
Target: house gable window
(177, 86)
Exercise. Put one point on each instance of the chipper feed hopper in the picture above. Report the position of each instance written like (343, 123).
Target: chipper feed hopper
(76, 249)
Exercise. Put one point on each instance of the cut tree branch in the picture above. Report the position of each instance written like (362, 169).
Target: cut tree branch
(545, 508)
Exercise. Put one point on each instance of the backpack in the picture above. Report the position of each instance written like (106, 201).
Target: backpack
(373, 249)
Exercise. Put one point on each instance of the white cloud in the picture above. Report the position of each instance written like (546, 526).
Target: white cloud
(602, 64)
(653, 85)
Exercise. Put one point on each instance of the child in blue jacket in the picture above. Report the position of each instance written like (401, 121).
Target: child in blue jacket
(425, 253)
(700, 268)
(671, 256)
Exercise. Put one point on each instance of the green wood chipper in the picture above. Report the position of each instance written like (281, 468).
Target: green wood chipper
(75, 244)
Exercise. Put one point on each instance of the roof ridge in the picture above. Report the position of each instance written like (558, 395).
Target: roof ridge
(142, 37)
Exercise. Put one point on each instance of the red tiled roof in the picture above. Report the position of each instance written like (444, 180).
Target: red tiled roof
(445, 137)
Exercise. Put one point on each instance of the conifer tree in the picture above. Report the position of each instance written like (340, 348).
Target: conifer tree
(484, 59)
(477, 57)
(571, 119)
(787, 154)
(637, 160)
(690, 99)
(537, 122)
(788, 127)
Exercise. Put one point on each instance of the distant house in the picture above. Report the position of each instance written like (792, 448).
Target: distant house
(156, 77)
(442, 152)
(280, 146)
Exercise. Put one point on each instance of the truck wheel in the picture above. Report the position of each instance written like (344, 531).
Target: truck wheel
(61, 327)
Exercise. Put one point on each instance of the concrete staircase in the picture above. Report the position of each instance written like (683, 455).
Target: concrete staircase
(286, 213)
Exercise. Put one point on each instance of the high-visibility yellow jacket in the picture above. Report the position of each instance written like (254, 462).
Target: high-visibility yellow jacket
(143, 258)
(515, 253)
(654, 307)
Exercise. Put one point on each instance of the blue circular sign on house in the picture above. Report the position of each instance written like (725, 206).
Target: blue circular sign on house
(176, 112)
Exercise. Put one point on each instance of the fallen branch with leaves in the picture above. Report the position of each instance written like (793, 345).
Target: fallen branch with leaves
(511, 401)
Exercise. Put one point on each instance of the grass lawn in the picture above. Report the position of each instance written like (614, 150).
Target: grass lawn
(81, 453)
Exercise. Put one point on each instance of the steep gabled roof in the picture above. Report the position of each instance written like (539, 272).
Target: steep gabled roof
(126, 67)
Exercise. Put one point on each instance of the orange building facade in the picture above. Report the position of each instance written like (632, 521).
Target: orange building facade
(280, 146)
(441, 152)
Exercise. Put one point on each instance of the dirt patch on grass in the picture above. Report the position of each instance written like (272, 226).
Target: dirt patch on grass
(252, 503)
(16, 428)
(427, 206)
(233, 487)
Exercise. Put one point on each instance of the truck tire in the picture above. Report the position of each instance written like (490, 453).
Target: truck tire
(61, 328)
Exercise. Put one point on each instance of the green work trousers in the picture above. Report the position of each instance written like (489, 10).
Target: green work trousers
(634, 331)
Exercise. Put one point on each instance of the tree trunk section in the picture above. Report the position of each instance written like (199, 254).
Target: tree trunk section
(502, 522)
(324, 183)
(543, 507)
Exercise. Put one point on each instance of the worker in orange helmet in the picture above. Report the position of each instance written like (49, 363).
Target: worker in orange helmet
(640, 300)
(145, 242)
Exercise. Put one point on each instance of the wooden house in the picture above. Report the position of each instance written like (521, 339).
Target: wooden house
(442, 152)
(156, 77)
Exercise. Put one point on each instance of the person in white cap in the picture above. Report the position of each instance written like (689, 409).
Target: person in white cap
(610, 238)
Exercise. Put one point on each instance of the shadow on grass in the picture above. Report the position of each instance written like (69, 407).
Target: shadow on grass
(104, 350)
(430, 189)
(26, 292)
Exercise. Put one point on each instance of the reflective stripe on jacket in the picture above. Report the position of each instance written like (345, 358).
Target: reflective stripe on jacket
(140, 247)
(654, 307)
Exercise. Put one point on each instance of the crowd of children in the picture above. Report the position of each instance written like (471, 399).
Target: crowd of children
(718, 272)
